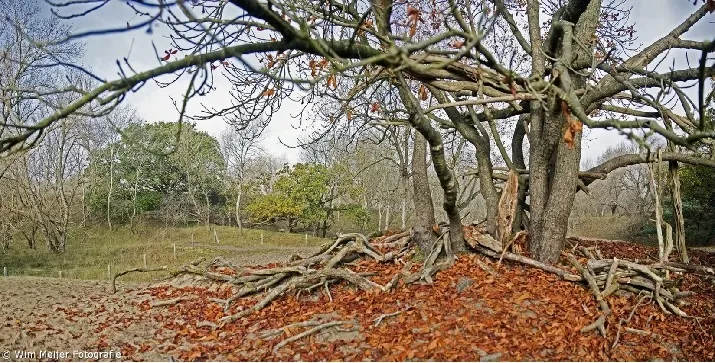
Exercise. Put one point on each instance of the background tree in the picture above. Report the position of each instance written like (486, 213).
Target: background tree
(154, 171)
(240, 147)
(624, 191)
(698, 186)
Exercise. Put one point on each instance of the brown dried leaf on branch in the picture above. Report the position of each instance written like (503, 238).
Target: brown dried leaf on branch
(349, 114)
(457, 44)
(168, 54)
(414, 16)
(375, 107)
(574, 125)
(422, 93)
(332, 81)
(313, 68)
(365, 26)
(271, 61)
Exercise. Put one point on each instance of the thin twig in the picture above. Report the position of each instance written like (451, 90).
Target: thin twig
(628, 320)
(141, 269)
(327, 290)
(307, 333)
(285, 329)
(380, 318)
(156, 304)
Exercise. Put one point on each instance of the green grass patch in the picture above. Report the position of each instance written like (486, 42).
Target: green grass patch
(90, 250)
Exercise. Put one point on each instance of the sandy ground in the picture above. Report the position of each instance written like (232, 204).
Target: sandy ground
(49, 319)
(61, 319)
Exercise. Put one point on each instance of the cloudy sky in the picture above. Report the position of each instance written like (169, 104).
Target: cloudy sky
(653, 19)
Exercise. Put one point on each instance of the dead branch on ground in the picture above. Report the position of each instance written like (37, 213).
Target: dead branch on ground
(606, 276)
(307, 333)
(596, 291)
(332, 264)
(115, 276)
(156, 304)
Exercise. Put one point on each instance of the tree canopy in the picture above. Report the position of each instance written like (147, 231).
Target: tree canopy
(148, 167)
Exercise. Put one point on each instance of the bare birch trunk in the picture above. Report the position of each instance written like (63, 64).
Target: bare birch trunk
(134, 202)
(111, 187)
(238, 209)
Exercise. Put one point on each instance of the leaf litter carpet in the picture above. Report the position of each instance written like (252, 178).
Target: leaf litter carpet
(511, 313)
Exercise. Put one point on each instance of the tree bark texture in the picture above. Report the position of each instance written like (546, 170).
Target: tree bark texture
(424, 206)
(554, 164)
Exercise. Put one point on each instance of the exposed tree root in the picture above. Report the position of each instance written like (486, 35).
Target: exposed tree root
(206, 324)
(430, 266)
(614, 274)
(400, 275)
(329, 265)
(529, 262)
(332, 264)
(395, 240)
(642, 332)
(604, 276)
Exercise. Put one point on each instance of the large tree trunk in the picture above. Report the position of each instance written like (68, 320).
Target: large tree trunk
(387, 218)
(324, 229)
(405, 174)
(487, 188)
(674, 182)
(403, 211)
(553, 188)
(325, 225)
(553, 166)
(424, 207)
